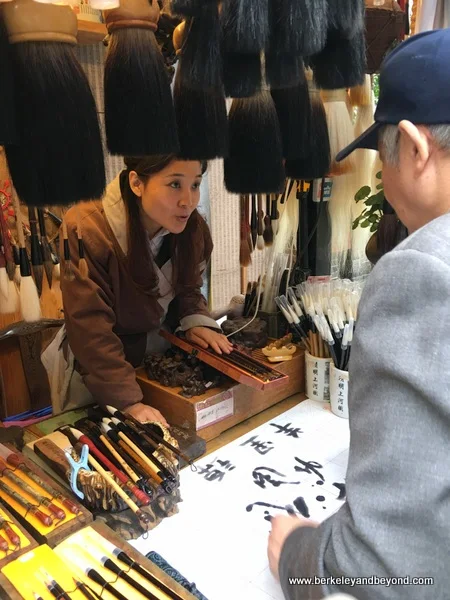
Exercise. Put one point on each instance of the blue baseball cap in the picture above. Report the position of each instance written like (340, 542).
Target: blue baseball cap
(414, 85)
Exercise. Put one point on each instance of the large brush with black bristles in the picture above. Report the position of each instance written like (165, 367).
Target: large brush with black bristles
(57, 119)
(186, 8)
(255, 161)
(346, 16)
(298, 27)
(245, 26)
(199, 110)
(316, 163)
(139, 113)
(293, 109)
(342, 63)
(200, 50)
(8, 130)
(242, 74)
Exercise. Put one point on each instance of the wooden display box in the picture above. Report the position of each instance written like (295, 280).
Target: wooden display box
(30, 542)
(221, 408)
(53, 537)
(8, 591)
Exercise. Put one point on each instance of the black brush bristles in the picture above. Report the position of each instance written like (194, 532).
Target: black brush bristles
(255, 162)
(299, 27)
(8, 131)
(201, 67)
(293, 109)
(283, 70)
(316, 164)
(58, 128)
(342, 63)
(139, 113)
(245, 25)
(242, 75)
(346, 16)
(186, 8)
(202, 122)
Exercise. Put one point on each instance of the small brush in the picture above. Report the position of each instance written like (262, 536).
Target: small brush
(46, 249)
(254, 222)
(68, 273)
(260, 224)
(36, 254)
(245, 258)
(82, 262)
(274, 215)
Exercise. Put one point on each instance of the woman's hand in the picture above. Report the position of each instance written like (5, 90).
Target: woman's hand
(282, 527)
(141, 412)
(204, 337)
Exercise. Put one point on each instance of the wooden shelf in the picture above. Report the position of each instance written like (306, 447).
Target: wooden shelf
(90, 32)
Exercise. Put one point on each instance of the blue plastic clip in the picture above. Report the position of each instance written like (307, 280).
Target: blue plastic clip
(75, 468)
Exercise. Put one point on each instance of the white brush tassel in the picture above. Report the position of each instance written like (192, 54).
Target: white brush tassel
(11, 304)
(57, 271)
(29, 300)
(260, 243)
(340, 129)
(17, 275)
(4, 287)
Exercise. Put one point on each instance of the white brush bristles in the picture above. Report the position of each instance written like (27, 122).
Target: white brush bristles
(17, 275)
(57, 271)
(30, 306)
(4, 287)
(340, 129)
(11, 304)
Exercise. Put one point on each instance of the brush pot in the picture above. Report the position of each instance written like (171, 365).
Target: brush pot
(317, 377)
(339, 392)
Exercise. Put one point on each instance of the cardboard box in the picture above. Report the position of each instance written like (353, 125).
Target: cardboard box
(221, 408)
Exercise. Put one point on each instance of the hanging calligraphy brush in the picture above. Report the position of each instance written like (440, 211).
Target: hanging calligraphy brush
(68, 273)
(61, 135)
(346, 16)
(361, 95)
(4, 287)
(83, 268)
(254, 222)
(247, 223)
(342, 63)
(293, 108)
(299, 27)
(199, 110)
(260, 224)
(245, 25)
(245, 258)
(7, 247)
(135, 69)
(268, 231)
(9, 300)
(29, 298)
(36, 255)
(200, 64)
(282, 70)
(316, 163)
(186, 8)
(255, 161)
(45, 246)
(17, 264)
(8, 130)
(340, 129)
(242, 74)
(274, 215)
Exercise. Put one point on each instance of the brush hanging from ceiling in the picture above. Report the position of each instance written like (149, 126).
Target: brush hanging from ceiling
(245, 25)
(346, 16)
(59, 158)
(283, 70)
(199, 110)
(145, 123)
(242, 75)
(298, 27)
(255, 161)
(342, 63)
(8, 131)
(200, 49)
(186, 8)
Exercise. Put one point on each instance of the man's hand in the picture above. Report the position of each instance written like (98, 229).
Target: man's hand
(143, 413)
(282, 527)
(204, 337)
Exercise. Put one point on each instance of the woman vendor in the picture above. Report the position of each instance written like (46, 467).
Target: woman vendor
(146, 247)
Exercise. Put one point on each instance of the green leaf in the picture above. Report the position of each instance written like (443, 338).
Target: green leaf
(355, 224)
(365, 224)
(374, 228)
(380, 186)
(373, 219)
(362, 193)
(378, 175)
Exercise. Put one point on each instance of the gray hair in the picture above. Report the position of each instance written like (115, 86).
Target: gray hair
(389, 141)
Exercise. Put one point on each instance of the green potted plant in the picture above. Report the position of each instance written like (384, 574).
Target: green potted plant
(373, 211)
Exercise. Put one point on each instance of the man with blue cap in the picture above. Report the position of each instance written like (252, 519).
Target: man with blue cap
(394, 529)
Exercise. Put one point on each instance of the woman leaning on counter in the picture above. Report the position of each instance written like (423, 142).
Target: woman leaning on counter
(146, 247)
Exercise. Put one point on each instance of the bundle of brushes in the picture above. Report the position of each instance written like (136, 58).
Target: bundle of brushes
(323, 315)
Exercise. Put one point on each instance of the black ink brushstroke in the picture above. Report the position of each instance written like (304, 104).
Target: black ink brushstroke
(287, 429)
(341, 488)
(310, 467)
(302, 507)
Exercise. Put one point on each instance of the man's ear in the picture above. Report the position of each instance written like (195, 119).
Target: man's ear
(417, 142)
